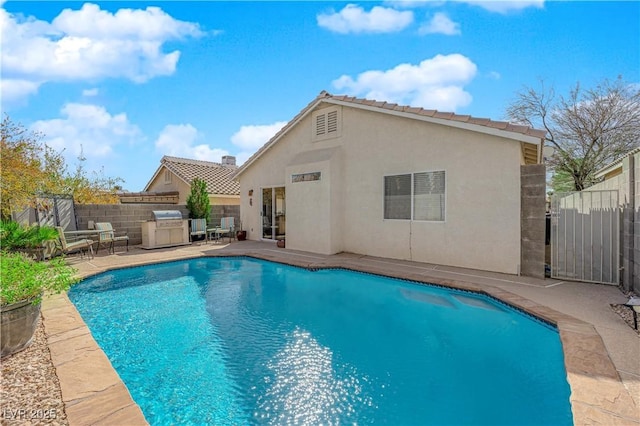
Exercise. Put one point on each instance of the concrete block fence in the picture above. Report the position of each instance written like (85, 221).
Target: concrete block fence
(532, 219)
(128, 217)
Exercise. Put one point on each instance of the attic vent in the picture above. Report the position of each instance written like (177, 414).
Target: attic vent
(321, 125)
(326, 123)
(332, 121)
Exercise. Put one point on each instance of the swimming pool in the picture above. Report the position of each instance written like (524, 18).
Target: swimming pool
(246, 341)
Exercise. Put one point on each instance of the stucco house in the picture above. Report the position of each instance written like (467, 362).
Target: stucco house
(176, 174)
(355, 175)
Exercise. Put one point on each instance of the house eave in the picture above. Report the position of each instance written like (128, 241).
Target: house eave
(524, 139)
(146, 188)
(457, 124)
(277, 137)
(615, 164)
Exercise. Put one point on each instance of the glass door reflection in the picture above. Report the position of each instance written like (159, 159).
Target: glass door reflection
(273, 213)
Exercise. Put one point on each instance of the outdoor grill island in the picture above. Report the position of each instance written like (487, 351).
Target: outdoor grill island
(166, 229)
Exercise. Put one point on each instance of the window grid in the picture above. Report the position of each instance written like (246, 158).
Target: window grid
(415, 196)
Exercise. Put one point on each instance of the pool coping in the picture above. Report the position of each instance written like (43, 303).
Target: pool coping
(93, 392)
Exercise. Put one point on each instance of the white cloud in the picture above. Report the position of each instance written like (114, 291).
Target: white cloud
(251, 137)
(440, 24)
(408, 4)
(494, 75)
(354, 19)
(90, 92)
(150, 24)
(433, 83)
(498, 6)
(506, 6)
(90, 44)
(179, 140)
(87, 129)
(15, 90)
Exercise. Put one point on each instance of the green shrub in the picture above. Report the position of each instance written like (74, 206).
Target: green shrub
(198, 200)
(22, 278)
(14, 236)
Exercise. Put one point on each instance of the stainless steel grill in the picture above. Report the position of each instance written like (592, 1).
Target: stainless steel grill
(167, 218)
(167, 228)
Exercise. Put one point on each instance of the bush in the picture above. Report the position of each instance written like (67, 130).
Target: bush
(198, 200)
(14, 236)
(25, 279)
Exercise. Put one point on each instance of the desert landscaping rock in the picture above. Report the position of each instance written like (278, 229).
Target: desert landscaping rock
(30, 391)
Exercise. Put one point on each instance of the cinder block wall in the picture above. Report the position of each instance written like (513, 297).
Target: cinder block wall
(218, 212)
(532, 219)
(127, 217)
(123, 217)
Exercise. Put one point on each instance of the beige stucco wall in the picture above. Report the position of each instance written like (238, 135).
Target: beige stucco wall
(317, 205)
(344, 211)
(177, 184)
(224, 200)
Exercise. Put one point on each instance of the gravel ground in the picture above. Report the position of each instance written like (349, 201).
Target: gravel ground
(627, 315)
(30, 391)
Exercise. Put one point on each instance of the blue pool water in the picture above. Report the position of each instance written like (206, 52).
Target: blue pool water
(244, 341)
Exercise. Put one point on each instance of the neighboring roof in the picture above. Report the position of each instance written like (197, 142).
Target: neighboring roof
(524, 134)
(217, 176)
(615, 163)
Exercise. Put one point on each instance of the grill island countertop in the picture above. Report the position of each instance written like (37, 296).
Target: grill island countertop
(166, 229)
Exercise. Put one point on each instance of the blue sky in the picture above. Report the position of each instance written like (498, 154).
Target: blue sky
(130, 82)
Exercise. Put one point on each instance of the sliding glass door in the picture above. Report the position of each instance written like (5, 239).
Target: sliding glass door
(273, 213)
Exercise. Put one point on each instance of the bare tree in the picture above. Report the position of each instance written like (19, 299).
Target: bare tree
(588, 128)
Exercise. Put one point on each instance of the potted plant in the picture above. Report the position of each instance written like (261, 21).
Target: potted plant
(241, 234)
(24, 281)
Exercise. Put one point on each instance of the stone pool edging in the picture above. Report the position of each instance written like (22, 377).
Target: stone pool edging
(93, 393)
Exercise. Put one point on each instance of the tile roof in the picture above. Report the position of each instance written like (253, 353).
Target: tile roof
(502, 125)
(217, 176)
(325, 96)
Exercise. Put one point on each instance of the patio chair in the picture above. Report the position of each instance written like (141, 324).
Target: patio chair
(227, 226)
(107, 235)
(198, 227)
(71, 246)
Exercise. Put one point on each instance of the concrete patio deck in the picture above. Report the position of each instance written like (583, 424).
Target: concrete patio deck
(602, 354)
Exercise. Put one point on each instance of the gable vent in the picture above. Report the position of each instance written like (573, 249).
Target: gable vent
(321, 124)
(332, 121)
(326, 124)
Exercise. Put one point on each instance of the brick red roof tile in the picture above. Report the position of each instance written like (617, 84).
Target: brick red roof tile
(217, 176)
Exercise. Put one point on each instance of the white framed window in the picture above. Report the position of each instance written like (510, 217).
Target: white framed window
(326, 123)
(415, 196)
(167, 176)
